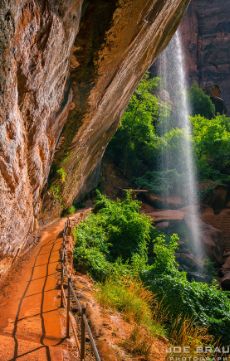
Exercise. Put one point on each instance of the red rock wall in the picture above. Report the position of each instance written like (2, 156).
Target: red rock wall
(53, 74)
(35, 45)
(206, 34)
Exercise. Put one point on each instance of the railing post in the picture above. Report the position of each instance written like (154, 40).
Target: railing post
(62, 281)
(68, 310)
(83, 334)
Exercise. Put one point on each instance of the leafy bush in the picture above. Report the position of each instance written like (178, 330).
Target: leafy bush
(158, 182)
(69, 211)
(204, 304)
(62, 174)
(212, 146)
(133, 148)
(55, 190)
(138, 145)
(201, 103)
(116, 231)
(113, 246)
(92, 247)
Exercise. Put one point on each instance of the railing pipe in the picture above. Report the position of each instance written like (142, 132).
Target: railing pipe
(81, 310)
(93, 344)
(82, 356)
(68, 310)
(62, 277)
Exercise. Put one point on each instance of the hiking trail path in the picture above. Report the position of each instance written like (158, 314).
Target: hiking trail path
(32, 323)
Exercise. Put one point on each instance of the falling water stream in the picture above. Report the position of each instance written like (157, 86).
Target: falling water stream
(174, 93)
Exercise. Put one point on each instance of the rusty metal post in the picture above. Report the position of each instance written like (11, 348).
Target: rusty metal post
(68, 310)
(62, 283)
(64, 257)
(82, 335)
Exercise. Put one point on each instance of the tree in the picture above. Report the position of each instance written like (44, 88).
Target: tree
(201, 103)
(133, 146)
(212, 145)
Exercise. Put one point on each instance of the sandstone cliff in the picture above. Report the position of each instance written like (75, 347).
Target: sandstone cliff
(68, 69)
(206, 34)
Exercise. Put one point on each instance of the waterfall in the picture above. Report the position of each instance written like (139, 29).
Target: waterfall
(175, 118)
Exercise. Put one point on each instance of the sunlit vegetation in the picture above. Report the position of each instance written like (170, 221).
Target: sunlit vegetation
(137, 146)
(133, 264)
(201, 103)
(138, 275)
(129, 296)
(212, 146)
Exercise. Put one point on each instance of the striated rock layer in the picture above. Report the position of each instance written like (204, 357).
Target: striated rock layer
(68, 69)
(206, 34)
(36, 38)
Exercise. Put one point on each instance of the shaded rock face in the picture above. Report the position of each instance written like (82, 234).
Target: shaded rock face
(68, 69)
(35, 45)
(206, 33)
(107, 63)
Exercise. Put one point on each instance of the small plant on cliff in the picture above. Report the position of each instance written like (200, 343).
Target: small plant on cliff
(55, 190)
(62, 174)
(69, 211)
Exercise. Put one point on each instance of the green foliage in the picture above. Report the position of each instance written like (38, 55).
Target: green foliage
(158, 182)
(137, 147)
(201, 103)
(58, 178)
(115, 243)
(133, 147)
(212, 146)
(113, 246)
(117, 231)
(69, 211)
(55, 190)
(206, 305)
(131, 298)
(62, 174)
(72, 210)
(164, 251)
(92, 247)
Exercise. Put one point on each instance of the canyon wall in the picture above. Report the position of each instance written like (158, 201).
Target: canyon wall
(206, 33)
(68, 69)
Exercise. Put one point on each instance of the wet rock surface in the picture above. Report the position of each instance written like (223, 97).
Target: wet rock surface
(71, 64)
(214, 238)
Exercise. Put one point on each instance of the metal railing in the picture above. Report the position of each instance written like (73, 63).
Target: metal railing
(68, 292)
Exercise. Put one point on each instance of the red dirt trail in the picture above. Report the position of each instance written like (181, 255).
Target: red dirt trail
(31, 320)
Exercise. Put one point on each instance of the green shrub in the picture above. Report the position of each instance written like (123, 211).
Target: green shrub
(55, 190)
(131, 298)
(201, 103)
(133, 148)
(62, 174)
(92, 247)
(160, 181)
(113, 246)
(117, 231)
(212, 146)
(204, 304)
(71, 210)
